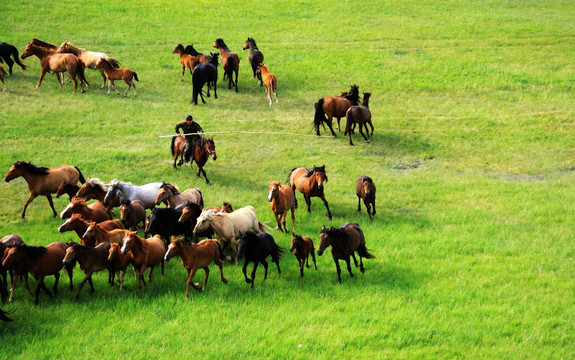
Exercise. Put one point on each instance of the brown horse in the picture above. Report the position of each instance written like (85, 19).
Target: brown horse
(203, 149)
(359, 115)
(96, 234)
(270, 82)
(91, 260)
(302, 248)
(310, 184)
(119, 262)
(344, 242)
(255, 58)
(197, 256)
(40, 261)
(187, 61)
(95, 211)
(365, 189)
(177, 147)
(43, 181)
(79, 225)
(2, 73)
(230, 62)
(145, 253)
(117, 74)
(5, 243)
(89, 58)
(204, 59)
(53, 61)
(169, 193)
(132, 213)
(93, 188)
(334, 106)
(281, 199)
(67, 188)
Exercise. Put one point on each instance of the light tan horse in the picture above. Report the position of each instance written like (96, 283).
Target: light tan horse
(117, 74)
(43, 181)
(89, 58)
(270, 82)
(170, 193)
(310, 184)
(281, 199)
(145, 253)
(187, 61)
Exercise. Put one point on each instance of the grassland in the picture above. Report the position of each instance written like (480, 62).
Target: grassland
(472, 157)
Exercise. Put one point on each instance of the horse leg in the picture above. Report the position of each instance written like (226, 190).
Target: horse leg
(55, 288)
(236, 71)
(373, 204)
(49, 197)
(13, 286)
(370, 124)
(361, 268)
(103, 77)
(70, 271)
(348, 262)
(30, 198)
(308, 202)
(301, 262)
(114, 87)
(183, 72)
(9, 62)
(234, 247)
(256, 263)
(129, 86)
(244, 270)
(284, 215)
(322, 197)
(215, 90)
(87, 277)
(361, 131)
(141, 276)
(205, 177)
(134, 87)
(191, 282)
(354, 259)
(338, 269)
(313, 258)
(368, 207)
(121, 279)
(207, 271)
(329, 124)
(292, 218)
(41, 77)
(150, 274)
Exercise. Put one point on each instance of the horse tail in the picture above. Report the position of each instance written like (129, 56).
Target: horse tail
(255, 62)
(135, 76)
(230, 69)
(349, 123)
(222, 256)
(276, 252)
(319, 117)
(82, 179)
(113, 62)
(16, 57)
(201, 197)
(263, 227)
(289, 177)
(173, 147)
(4, 316)
(362, 250)
(80, 71)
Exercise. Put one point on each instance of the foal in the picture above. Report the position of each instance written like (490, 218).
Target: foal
(365, 189)
(117, 74)
(302, 247)
(270, 82)
(186, 60)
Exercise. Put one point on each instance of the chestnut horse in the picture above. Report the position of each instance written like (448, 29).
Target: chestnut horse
(197, 256)
(187, 61)
(91, 260)
(96, 234)
(90, 58)
(132, 213)
(67, 188)
(359, 115)
(334, 106)
(302, 248)
(95, 211)
(79, 225)
(310, 184)
(43, 181)
(119, 262)
(270, 82)
(255, 58)
(281, 199)
(93, 188)
(7, 51)
(365, 189)
(2, 73)
(230, 62)
(344, 242)
(170, 193)
(203, 59)
(117, 74)
(145, 253)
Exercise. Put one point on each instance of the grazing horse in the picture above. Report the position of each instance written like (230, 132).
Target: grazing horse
(117, 74)
(344, 242)
(164, 222)
(95, 211)
(7, 50)
(91, 260)
(270, 82)
(119, 262)
(53, 61)
(132, 213)
(96, 234)
(203, 149)
(227, 226)
(310, 184)
(193, 52)
(170, 193)
(40, 261)
(365, 189)
(302, 248)
(43, 181)
(67, 188)
(145, 193)
(359, 115)
(145, 253)
(187, 61)
(256, 248)
(89, 58)
(281, 199)
(230, 62)
(334, 106)
(2, 73)
(255, 58)
(205, 73)
(79, 225)
(197, 256)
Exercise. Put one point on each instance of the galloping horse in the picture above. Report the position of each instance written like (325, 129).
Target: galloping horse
(97, 234)
(203, 149)
(91, 260)
(281, 199)
(145, 253)
(270, 82)
(191, 212)
(117, 74)
(230, 62)
(57, 62)
(365, 189)
(7, 50)
(205, 73)
(256, 248)
(302, 248)
(344, 242)
(43, 181)
(187, 61)
(359, 115)
(79, 225)
(170, 193)
(310, 184)
(119, 262)
(145, 193)
(5, 243)
(90, 58)
(193, 52)
(165, 223)
(255, 58)
(132, 213)
(93, 188)
(95, 211)
(2, 73)
(334, 106)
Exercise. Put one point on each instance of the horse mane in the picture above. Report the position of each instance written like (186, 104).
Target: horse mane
(333, 232)
(33, 252)
(31, 168)
(190, 50)
(222, 44)
(173, 188)
(141, 243)
(367, 179)
(118, 182)
(78, 200)
(253, 42)
(249, 236)
(316, 169)
(353, 95)
(194, 206)
(107, 62)
(71, 48)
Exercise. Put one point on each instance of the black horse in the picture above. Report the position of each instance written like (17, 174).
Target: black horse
(256, 248)
(164, 221)
(255, 58)
(5, 51)
(205, 73)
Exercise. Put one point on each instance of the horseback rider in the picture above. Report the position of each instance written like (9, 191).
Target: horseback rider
(189, 127)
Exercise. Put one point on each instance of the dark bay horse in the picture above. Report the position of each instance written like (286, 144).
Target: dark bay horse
(256, 248)
(281, 199)
(302, 248)
(132, 213)
(230, 62)
(344, 242)
(334, 106)
(310, 184)
(255, 58)
(91, 260)
(359, 115)
(205, 73)
(7, 50)
(43, 181)
(365, 190)
(119, 262)
(198, 55)
(165, 223)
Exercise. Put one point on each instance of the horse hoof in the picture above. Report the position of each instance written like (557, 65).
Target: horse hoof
(248, 281)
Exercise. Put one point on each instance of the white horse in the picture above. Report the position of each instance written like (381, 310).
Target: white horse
(145, 193)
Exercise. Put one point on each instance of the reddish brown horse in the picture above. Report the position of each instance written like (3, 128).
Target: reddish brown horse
(91, 260)
(43, 181)
(203, 59)
(132, 213)
(79, 225)
(334, 106)
(203, 149)
(93, 188)
(145, 253)
(365, 189)
(96, 234)
(359, 115)
(270, 82)
(310, 184)
(5, 243)
(281, 199)
(95, 211)
(302, 248)
(197, 256)
(117, 74)
(230, 62)
(187, 61)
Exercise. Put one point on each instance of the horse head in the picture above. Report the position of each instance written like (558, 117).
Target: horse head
(274, 190)
(295, 240)
(211, 148)
(320, 176)
(113, 190)
(178, 49)
(13, 173)
(203, 221)
(324, 240)
(128, 242)
(90, 231)
(173, 249)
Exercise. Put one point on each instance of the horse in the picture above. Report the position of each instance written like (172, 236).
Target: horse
(191, 212)
(302, 248)
(281, 199)
(145, 193)
(310, 184)
(170, 193)
(359, 115)
(57, 62)
(187, 61)
(2, 73)
(334, 106)
(365, 189)
(117, 74)
(79, 225)
(93, 188)
(270, 82)
(227, 226)
(91, 260)
(205, 73)
(203, 150)
(164, 222)
(344, 242)
(7, 50)
(95, 211)
(132, 213)
(193, 52)
(255, 57)
(256, 248)
(230, 62)
(96, 234)
(119, 262)
(145, 253)
(43, 181)
(67, 188)
(89, 58)
(5, 243)
(197, 256)
(40, 261)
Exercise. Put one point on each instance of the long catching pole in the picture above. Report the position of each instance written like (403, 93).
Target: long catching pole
(246, 132)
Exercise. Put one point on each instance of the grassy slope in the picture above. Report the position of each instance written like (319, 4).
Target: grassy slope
(472, 156)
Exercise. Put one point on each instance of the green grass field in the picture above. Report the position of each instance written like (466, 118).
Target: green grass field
(472, 157)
